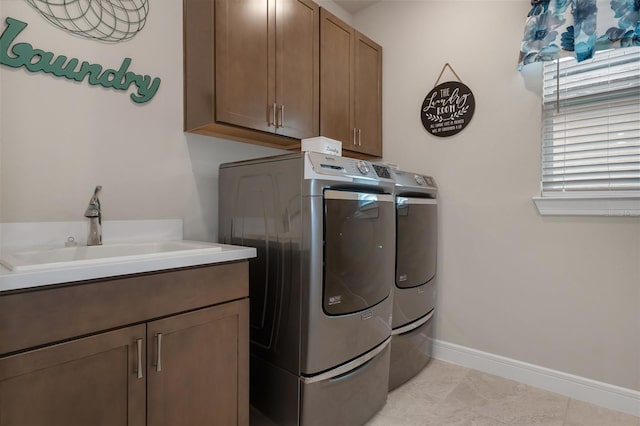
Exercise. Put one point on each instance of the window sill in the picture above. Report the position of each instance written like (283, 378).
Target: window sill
(587, 206)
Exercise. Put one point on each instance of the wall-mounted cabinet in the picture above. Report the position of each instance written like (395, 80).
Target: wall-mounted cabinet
(252, 70)
(266, 65)
(351, 87)
(272, 72)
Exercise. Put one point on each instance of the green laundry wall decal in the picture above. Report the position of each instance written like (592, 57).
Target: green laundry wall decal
(17, 55)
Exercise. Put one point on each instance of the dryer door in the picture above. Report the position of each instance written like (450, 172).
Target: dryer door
(358, 250)
(417, 240)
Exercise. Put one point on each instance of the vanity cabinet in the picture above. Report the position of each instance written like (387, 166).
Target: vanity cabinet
(87, 381)
(166, 348)
(351, 87)
(193, 366)
(252, 69)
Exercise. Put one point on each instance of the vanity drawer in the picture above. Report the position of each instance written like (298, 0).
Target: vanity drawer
(51, 314)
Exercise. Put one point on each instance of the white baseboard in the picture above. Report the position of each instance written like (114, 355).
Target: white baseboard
(576, 387)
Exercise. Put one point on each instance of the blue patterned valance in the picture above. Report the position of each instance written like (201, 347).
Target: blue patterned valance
(578, 28)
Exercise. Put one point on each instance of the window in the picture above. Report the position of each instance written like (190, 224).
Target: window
(591, 135)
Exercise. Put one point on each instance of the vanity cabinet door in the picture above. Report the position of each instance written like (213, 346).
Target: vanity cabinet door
(89, 381)
(199, 367)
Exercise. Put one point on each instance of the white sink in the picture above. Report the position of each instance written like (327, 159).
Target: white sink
(26, 259)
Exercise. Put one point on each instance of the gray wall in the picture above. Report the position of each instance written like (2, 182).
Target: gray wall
(60, 138)
(558, 292)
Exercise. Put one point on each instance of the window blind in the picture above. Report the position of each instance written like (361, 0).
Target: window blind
(591, 125)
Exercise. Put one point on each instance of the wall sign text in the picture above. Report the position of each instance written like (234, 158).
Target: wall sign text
(447, 109)
(17, 55)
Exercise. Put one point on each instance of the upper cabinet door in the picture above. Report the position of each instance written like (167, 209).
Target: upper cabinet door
(368, 96)
(336, 75)
(350, 87)
(243, 41)
(267, 55)
(297, 63)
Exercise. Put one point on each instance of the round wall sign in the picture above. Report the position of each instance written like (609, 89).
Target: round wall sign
(447, 109)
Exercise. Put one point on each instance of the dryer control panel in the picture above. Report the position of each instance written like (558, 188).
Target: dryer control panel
(409, 181)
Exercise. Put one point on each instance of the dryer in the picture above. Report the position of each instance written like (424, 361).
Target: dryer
(320, 286)
(414, 290)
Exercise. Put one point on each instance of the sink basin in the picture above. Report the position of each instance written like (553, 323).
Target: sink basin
(34, 259)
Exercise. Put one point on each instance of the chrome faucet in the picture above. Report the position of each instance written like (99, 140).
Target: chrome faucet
(94, 214)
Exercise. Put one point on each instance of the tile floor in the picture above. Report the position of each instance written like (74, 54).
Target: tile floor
(444, 394)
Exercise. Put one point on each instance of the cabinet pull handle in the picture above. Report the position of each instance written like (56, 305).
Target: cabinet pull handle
(354, 136)
(139, 366)
(273, 107)
(359, 137)
(281, 115)
(159, 352)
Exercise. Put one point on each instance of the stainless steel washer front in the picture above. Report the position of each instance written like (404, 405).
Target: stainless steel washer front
(414, 292)
(416, 253)
(320, 287)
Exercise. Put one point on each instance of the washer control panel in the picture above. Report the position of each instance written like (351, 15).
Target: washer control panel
(343, 168)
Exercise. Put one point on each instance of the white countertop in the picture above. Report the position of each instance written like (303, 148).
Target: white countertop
(10, 280)
(26, 236)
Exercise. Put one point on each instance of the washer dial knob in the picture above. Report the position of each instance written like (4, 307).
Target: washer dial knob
(363, 167)
(419, 180)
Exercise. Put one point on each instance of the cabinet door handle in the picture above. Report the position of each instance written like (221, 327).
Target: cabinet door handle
(159, 352)
(359, 137)
(281, 115)
(139, 353)
(354, 136)
(274, 107)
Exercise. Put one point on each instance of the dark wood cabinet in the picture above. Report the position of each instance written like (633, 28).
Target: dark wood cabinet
(196, 373)
(244, 46)
(368, 96)
(272, 72)
(350, 87)
(297, 76)
(159, 349)
(89, 381)
(267, 65)
(336, 73)
(251, 69)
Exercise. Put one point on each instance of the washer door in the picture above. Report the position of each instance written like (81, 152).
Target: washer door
(358, 250)
(417, 239)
